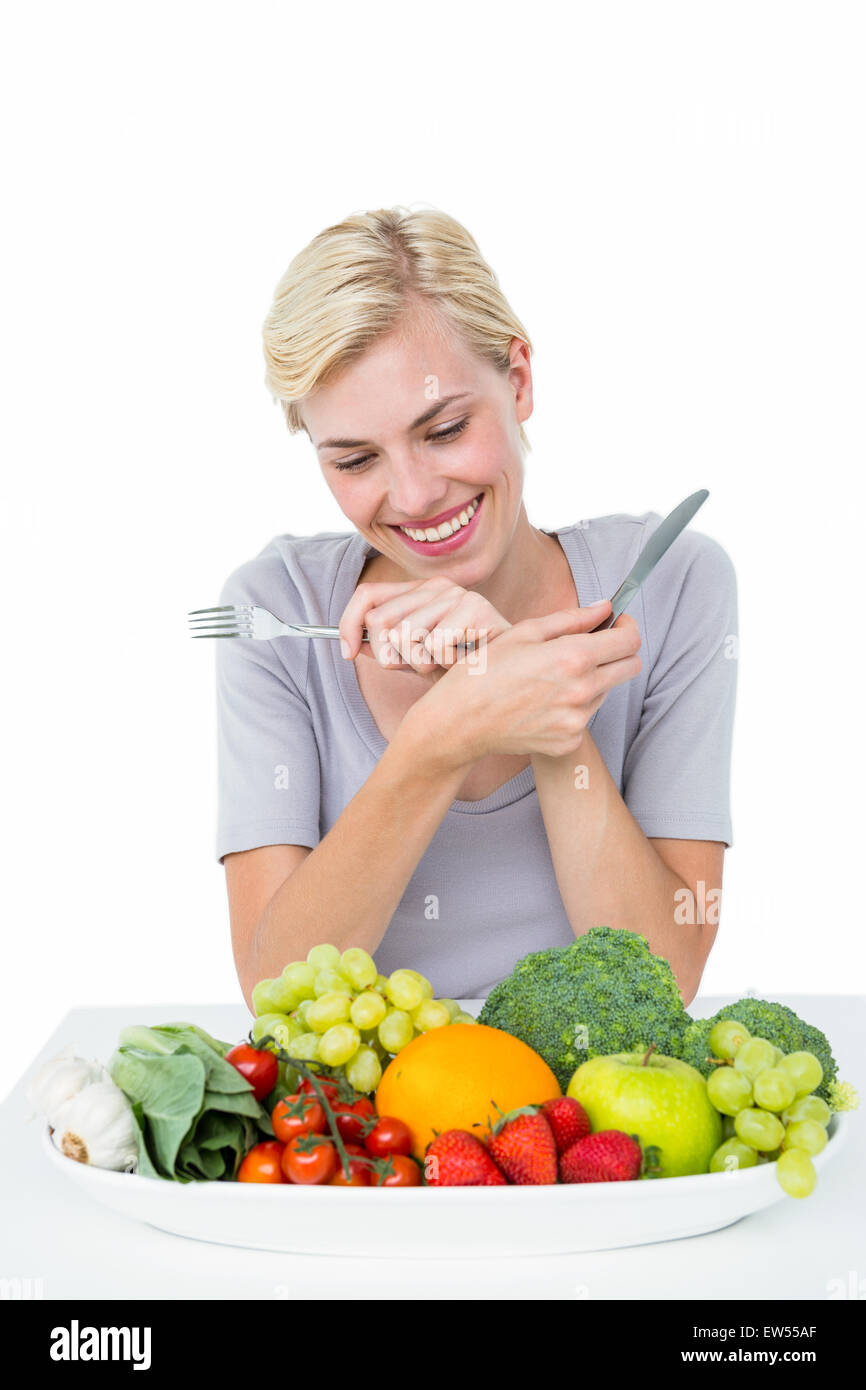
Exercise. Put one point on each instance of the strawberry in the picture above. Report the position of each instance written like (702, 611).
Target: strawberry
(523, 1146)
(568, 1120)
(608, 1156)
(457, 1158)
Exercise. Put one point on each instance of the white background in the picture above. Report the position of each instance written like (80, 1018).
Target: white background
(672, 198)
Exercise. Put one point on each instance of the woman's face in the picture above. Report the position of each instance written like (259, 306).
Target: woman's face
(416, 432)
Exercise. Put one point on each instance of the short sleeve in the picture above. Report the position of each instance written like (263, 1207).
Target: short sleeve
(676, 774)
(268, 763)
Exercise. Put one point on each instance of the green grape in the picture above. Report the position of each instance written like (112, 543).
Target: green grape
(264, 997)
(299, 976)
(770, 1156)
(395, 1030)
(358, 967)
(423, 982)
(381, 984)
(462, 1017)
(305, 1047)
(805, 1072)
(774, 1089)
(283, 1033)
(430, 1013)
(452, 1006)
(302, 1011)
(796, 1173)
(808, 1135)
(754, 1056)
(731, 1156)
(368, 1010)
(364, 1070)
(265, 1024)
(728, 1090)
(808, 1108)
(339, 1045)
(327, 1010)
(759, 1129)
(404, 991)
(727, 1037)
(331, 982)
(324, 957)
(728, 1131)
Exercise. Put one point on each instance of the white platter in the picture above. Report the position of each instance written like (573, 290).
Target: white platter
(448, 1222)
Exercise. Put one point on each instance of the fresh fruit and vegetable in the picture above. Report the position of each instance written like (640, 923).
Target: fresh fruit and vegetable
(353, 1079)
(603, 994)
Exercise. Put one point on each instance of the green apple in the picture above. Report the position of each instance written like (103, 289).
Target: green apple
(660, 1099)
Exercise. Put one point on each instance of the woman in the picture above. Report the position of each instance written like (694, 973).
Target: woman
(485, 776)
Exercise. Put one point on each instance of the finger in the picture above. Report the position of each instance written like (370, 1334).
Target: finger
(569, 620)
(438, 591)
(603, 648)
(611, 674)
(366, 597)
(472, 622)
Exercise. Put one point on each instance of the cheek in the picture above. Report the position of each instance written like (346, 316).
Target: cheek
(486, 456)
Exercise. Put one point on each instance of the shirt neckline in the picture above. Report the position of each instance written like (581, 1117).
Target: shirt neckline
(354, 557)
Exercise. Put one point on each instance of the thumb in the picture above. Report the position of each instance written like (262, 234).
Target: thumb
(571, 620)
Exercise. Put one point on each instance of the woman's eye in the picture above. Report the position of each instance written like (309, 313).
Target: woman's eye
(452, 431)
(354, 465)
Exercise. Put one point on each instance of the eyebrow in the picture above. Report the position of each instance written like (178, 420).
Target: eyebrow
(416, 424)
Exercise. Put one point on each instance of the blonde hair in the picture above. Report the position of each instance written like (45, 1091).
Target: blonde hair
(360, 279)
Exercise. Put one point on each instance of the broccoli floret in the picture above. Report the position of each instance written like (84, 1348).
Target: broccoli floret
(604, 993)
(843, 1096)
(764, 1019)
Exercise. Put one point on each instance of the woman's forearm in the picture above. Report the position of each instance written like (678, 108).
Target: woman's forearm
(607, 870)
(348, 888)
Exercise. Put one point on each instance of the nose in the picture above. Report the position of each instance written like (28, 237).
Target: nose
(413, 491)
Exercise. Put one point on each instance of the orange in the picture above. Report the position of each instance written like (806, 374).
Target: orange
(455, 1077)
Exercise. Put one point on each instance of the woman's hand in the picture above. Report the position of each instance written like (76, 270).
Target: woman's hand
(534, 691)
(423, 625)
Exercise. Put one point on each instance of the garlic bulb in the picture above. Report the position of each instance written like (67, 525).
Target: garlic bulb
(60, 1079)
(96, 1126)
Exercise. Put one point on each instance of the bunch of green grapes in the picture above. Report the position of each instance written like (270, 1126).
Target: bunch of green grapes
(768, 1109)
(335, 1008)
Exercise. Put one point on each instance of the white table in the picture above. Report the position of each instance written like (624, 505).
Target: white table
(792, 1250)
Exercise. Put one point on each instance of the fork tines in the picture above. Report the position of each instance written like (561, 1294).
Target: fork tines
(230, 620)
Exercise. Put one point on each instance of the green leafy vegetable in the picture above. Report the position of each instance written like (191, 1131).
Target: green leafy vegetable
(195, 1114)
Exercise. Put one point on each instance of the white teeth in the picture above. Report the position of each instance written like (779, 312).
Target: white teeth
(445, 529)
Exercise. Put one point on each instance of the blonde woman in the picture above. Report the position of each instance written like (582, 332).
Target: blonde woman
(484, 776)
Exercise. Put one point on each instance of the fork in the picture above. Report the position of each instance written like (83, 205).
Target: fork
(248, 620)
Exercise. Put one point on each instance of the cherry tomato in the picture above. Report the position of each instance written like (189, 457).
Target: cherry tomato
(309, 1159)
(297, 1115)
(359, 1172)
(352, 1119)
(406, 1173)
(257, 1065)
(263, 1163)
(330, 1088)
(388, 1136)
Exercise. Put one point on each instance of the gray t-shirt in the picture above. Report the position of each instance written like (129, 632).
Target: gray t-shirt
(296, 741)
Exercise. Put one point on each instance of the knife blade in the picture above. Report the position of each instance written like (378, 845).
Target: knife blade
(659, 542)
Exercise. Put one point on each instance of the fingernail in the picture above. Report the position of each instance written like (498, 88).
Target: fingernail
(599, 603)
(344, 647)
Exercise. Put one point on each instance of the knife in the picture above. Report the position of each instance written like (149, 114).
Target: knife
(661, 540)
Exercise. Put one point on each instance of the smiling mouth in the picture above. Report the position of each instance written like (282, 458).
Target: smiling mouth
(443, 529)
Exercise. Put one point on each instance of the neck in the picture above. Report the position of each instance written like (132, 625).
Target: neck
(533, 578)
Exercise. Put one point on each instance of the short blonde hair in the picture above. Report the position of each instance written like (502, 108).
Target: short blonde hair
(361, 279)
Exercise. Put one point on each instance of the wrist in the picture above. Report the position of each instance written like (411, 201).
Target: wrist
(434, 742)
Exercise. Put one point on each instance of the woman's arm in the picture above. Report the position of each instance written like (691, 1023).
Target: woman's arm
(285, 899)
(610, 874)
